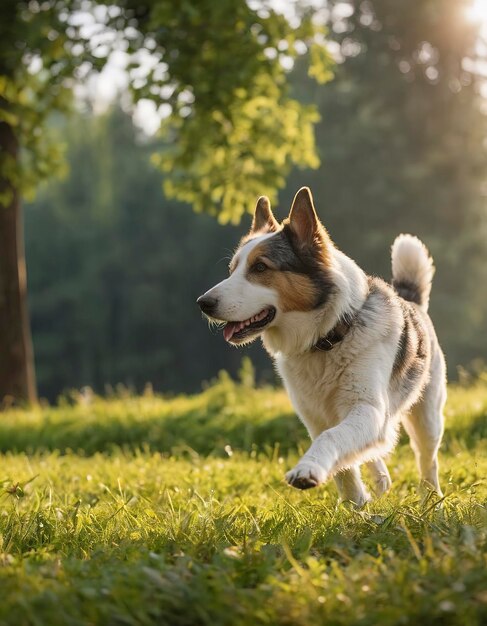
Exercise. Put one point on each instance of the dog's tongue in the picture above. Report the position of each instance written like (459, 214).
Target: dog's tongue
(230, 329)
(233, 327)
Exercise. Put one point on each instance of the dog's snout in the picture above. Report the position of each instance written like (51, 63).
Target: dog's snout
(207, 304)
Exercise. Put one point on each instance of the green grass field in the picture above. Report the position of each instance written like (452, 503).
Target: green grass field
(150, 510)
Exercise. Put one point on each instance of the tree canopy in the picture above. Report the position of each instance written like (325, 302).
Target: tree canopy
(403, 149)
(218, 69)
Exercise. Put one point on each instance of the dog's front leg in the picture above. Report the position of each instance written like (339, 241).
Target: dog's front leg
(340, 446)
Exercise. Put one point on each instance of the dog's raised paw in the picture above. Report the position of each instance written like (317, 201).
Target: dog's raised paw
(306, 475)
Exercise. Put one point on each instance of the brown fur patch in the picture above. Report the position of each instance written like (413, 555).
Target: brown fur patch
(297, 292)
(257, 253)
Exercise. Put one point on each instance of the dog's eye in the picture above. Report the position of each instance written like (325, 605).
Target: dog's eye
(260, 267)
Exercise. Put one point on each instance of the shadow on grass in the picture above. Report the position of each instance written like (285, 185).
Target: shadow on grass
(226, 414)
(190, 432)
(471, 433)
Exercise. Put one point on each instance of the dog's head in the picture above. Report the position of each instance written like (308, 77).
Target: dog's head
(277, 270)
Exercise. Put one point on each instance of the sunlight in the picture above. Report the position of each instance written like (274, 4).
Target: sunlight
(477, 12)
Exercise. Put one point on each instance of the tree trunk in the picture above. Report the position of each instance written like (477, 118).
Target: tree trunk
(17, 379)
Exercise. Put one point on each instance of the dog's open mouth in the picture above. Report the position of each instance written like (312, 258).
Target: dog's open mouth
(236, 331)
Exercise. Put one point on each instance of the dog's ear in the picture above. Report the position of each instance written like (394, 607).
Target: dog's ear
(263, 217)
(303, 220)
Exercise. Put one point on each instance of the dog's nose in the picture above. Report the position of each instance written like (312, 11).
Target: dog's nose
(207, 304)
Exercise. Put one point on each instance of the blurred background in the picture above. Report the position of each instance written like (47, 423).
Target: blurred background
(147, 131)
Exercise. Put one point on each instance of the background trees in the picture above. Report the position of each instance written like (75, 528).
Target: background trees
(115, 270)
(231, 125)
(115, 266)
(403, 144)
(27, 94)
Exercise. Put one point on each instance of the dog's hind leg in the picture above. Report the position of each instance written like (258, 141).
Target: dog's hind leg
(380, 476)
(350, 486)
(424, 425)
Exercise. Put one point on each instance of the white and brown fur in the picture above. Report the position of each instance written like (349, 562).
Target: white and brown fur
(387, 369)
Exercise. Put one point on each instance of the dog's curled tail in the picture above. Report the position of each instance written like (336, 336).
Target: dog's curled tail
(412, 270)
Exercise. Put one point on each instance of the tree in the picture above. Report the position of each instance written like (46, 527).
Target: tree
(113, 279)
(27, 33)
(403, 139)
(220, 69)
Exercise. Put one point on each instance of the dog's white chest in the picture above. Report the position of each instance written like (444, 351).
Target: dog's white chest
(311, 381)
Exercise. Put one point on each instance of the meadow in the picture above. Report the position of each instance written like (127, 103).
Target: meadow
(129, 510)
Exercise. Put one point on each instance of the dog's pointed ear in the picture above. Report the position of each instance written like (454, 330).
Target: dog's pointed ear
(263, 217)
(303, 220)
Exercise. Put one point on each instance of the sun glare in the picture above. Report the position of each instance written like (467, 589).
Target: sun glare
(477, 12)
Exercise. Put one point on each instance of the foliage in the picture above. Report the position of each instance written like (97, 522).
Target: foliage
(234, 128)
(135, 536)
(114, 270)
(217, 67)
(402, 140)
(36, 60)
(197, 424)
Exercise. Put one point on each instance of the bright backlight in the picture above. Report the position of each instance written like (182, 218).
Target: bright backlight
(477, 11)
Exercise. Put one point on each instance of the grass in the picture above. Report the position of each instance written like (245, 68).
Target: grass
(149, 510)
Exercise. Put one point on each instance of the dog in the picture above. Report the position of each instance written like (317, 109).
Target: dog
(357, 356)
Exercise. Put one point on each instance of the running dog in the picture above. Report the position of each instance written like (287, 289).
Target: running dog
(357, 356)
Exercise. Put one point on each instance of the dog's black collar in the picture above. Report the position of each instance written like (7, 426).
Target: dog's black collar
(336, 334)
(341, 329)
